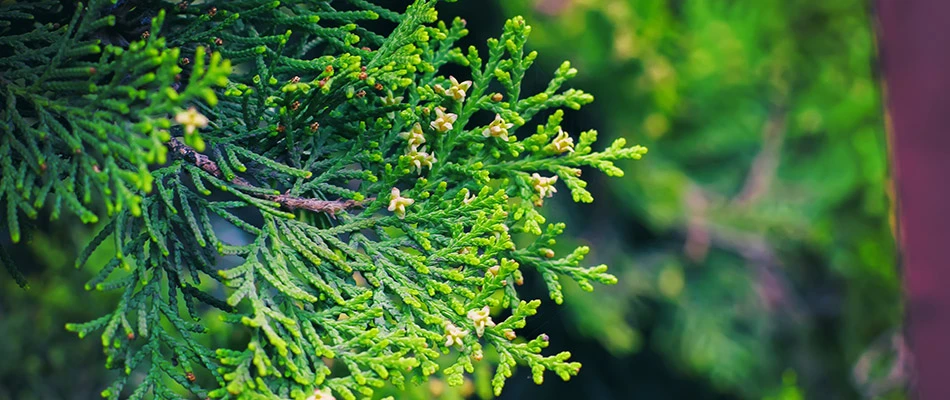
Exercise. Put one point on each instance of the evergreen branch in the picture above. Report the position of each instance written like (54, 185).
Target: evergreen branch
(384, 292)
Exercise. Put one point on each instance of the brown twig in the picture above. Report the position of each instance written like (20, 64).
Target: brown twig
(202, 161)
(763, 167)
(701, 234)
(552, 7)
(697, 232)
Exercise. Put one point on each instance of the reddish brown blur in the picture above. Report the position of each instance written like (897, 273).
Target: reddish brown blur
(915, 55)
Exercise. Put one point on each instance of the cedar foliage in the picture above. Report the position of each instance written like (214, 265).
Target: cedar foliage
(374, 199)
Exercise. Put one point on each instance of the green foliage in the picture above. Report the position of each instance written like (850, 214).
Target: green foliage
(767, 198)
(789, 390)
(84, 118)
(271, 167)
(41, 359)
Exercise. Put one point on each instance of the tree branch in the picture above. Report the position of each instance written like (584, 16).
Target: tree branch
(202, 161)
(763, 168)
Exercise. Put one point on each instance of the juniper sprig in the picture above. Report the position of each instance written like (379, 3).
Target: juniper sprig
(375, 198)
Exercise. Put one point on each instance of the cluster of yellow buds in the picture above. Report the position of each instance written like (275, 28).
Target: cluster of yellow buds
(398, 204)
(498, 128)
(543, 185)
(456, 91)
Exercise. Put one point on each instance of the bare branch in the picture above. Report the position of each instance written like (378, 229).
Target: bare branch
(763, 168)
(202, 161)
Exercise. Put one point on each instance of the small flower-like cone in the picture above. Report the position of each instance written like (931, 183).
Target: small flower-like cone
(420, 159)
(191, 120)
(398, 204)
(562, 142)
(323, 394)
(443, 120)
(498, 128)
(414, 136)
(544, 186)
(482, 319)
(454, 335)
(458, 89)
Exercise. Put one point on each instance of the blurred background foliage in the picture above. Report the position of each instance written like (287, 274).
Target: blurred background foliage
(754, 244)
(757, 240)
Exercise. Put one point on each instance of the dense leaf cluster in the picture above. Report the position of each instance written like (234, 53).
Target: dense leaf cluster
(318, 185)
